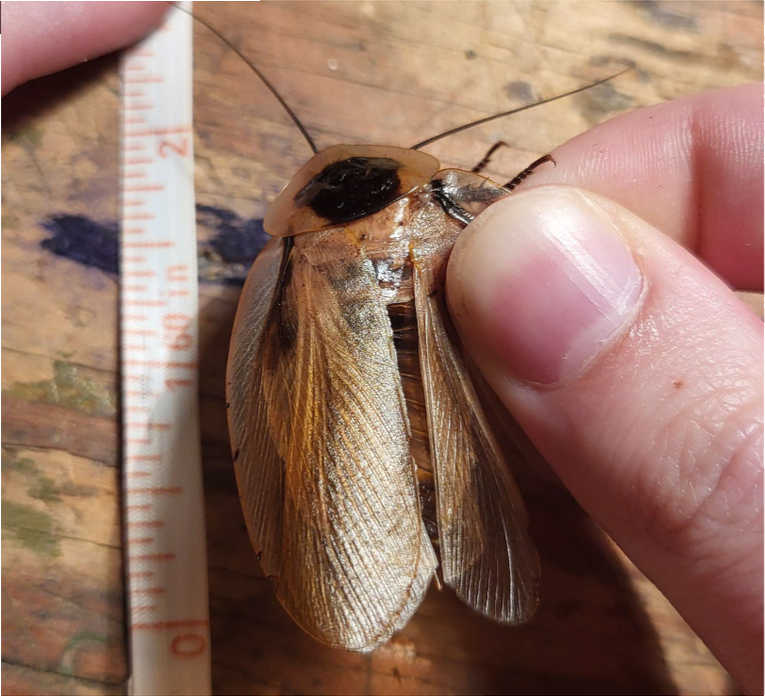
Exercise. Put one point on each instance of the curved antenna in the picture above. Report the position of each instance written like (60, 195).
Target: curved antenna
(486, 119)
(254, 68)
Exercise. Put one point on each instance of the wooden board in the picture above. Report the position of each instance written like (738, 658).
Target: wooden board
(377, 72)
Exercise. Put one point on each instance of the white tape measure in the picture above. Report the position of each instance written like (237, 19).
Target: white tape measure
(164, 513)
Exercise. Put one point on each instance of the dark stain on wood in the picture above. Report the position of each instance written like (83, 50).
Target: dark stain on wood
(224, 257)
(88, 242)
(669, 15)
(30, 527)
(596, 103)
(228, 254)
(722, 56)
(520, 90)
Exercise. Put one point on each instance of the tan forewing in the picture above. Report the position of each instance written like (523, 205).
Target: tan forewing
(486, 553)
(259, 469)
(354, 559)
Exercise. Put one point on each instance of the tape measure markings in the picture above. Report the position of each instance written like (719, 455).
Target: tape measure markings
(163, 505)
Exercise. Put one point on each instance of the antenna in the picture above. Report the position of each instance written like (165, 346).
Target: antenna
(255, 69)
(486, 119)
(422, 143)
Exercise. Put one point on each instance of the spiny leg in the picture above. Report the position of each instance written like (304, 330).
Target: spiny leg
(487, 157)
(510, 185)
(463, 195)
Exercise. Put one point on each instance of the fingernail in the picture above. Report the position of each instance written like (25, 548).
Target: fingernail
(543, 282)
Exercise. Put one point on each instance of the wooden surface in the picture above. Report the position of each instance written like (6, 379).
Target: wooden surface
(355, 72)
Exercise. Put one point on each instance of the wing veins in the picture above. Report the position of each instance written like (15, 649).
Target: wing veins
(327, 368)
(483, 541)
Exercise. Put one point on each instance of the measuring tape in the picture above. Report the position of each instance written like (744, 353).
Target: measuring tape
(164, 511)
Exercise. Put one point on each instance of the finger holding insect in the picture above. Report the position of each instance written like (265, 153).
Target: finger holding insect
(637, 374)
(692, 167)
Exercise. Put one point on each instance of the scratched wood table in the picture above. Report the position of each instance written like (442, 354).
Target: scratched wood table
(362, 72)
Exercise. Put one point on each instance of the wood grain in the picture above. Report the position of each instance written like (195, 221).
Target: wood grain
(367, 72)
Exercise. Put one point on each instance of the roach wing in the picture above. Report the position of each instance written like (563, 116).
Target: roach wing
(486, 553)
(349, 551)
(259, 471)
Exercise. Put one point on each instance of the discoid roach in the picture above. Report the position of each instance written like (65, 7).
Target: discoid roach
(365, 460)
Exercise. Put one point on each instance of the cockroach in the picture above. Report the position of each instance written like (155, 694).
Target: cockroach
(365, 461)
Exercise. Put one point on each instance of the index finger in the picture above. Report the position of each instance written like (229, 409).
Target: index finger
(693, 168)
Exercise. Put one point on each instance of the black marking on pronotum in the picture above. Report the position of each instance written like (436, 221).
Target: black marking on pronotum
(352, 188)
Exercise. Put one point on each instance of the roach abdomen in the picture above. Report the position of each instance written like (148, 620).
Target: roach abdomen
(405, 339)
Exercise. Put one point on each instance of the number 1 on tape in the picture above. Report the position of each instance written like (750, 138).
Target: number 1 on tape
(164, 511)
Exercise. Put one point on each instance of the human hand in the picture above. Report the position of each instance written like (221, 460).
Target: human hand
(635, 369)
(42, 37)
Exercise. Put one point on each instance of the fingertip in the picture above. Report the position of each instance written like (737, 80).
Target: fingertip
(638, 375)
(42, 37)
(545, 283)
(692, 167)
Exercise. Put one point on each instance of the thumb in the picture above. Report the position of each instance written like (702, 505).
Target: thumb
(638, 375)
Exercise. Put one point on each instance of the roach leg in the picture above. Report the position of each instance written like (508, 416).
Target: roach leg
(510, 185)
(450, 206)
(487, 157)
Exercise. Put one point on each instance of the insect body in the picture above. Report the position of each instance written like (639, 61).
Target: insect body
(363, 455)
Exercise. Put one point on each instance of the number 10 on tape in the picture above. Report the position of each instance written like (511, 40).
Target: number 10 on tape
(164, 511)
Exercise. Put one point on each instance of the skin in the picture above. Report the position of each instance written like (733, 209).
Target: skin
(703, 195)
(42, 37)
(659, 435)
